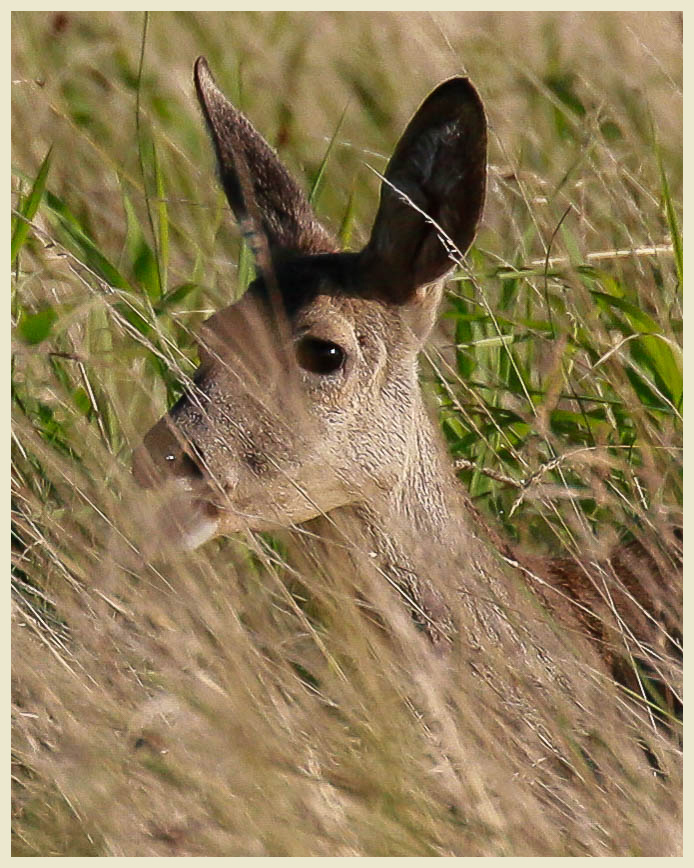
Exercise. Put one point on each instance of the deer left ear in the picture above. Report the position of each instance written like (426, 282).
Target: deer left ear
(432, 196)
(262, 194)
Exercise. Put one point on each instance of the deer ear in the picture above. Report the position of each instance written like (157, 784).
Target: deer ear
(264, 197)
(437, 175)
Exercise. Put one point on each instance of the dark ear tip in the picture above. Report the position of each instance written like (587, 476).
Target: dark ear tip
(205, 86)
(201, 67)
(202, 76)
(457, 89)
(457, 82)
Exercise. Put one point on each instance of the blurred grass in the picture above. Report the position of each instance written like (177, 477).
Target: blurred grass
(557, 372)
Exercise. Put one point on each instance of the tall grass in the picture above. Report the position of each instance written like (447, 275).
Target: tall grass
(217, 703)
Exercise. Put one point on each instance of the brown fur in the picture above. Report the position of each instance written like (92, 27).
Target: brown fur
(261, 443)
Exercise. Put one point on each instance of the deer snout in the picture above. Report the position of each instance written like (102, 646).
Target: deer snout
(184, 522)
(165, 455)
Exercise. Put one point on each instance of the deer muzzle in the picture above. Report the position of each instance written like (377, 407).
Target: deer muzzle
(172, 467)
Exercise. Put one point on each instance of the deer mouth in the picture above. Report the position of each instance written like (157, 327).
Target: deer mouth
(186, 517)
(181, 520)
(200, 524)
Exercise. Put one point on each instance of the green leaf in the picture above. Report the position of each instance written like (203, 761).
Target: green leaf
(313, 195)
(83, 246)
(563, 84)
(638, 320)
(653, 352)
(56, 205)
(163, 215)
(133, 317)
(347, 225)
(673, 225)
(246, 272)
(143, 261)
(81, 401)
(30, 207)
(646, 395)
(177, 294)
(36, 327)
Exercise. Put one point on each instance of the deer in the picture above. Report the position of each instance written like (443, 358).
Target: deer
(306, 412)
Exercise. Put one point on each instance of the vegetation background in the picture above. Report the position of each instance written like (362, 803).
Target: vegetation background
(166, 707)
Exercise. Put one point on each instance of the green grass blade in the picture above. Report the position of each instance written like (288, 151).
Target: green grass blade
(163, 220)
(638, 319)
(142, 259)
(315, 189)
(82, 245)
(36, 327)
(246, 269)
(672, 222)
(347, 225)
(30, 207)
(652, 350)
(176, 295)
(657, 354)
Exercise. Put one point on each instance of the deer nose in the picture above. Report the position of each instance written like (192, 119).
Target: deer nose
(164, 455)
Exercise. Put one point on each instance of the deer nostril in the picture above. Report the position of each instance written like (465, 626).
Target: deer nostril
(187, 465)
(153, 466)
(183, 463)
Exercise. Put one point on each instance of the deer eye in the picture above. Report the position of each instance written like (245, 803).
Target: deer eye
(319, 357)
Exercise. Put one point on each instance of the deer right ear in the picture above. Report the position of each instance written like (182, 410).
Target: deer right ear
(262, 194)
(437, 173)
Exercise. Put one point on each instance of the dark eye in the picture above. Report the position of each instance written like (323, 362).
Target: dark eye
(319, 357)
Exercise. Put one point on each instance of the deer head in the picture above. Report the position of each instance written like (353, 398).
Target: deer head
(306, 398)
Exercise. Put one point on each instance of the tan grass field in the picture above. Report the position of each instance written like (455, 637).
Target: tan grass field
(222, 702)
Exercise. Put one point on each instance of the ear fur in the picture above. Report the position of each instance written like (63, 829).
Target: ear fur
(261, 192)
(437, 173)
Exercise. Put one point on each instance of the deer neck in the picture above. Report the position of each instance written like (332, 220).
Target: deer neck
(404, 534)
(425, 502)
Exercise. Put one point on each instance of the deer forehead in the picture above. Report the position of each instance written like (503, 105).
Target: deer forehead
(336, 315)
(367, 327)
